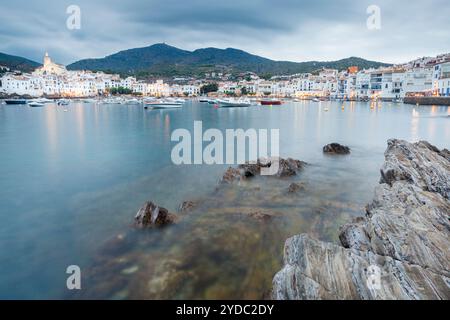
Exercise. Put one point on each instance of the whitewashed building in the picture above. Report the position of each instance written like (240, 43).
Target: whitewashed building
(418, 81)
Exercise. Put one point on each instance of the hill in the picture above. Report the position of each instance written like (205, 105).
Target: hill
(17, 63)
(164, 60)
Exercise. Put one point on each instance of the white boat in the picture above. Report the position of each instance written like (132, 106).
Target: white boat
(89, 100)
(133, 101)
(162, 104)
(36, 104)
(43, 100)
(315, 100)
(232, 103)
(112, 101)
(63, 102)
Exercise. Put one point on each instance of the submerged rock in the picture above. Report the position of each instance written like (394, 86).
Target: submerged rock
(286, 168)
(336, 148)
(295, 187)
(399, 250)
(150, 215)
(263, 216)
(187, 206)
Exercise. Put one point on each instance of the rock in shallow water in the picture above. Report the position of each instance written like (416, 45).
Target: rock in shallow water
(187, 206)
(286, 168)
(295, 187)
(405, 238)
(150, 215)
(336, 148)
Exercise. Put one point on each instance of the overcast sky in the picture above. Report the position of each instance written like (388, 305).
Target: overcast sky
(294, 30)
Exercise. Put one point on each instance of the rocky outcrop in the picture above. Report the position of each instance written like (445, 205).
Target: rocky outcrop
(399, 250)
(286, 168)
(336, 148)
(152, 216)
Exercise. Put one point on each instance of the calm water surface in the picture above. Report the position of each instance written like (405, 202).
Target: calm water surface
(72, 181)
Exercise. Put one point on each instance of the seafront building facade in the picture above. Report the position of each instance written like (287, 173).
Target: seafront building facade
(429, 76)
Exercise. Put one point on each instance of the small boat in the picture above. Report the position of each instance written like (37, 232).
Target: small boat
(272, 102)
(212, 101)
(36, 104)
(162, 104)
(315, 100)
(43, 100)
(63, 102)
(133, 101)
(231, 103)
(89, 100)
(204, 100)
(16, 101)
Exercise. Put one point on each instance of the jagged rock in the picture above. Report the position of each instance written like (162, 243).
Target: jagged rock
(150, 215)
(187, 206)
(286, 168)
(336, 148)
(404, 237)
(317, 270)
(421, 164)
(295, 187)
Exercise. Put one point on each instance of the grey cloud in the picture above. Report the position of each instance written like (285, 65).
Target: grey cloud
(279, 29)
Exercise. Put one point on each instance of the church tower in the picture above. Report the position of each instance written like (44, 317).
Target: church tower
(47, 60)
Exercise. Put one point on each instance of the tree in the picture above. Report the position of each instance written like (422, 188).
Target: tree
(120, 90)
(210, 87)
(244, 91)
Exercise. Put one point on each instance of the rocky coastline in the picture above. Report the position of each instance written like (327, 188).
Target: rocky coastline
(400, 249)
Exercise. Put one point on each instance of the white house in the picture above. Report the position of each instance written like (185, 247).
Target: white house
(418, 81)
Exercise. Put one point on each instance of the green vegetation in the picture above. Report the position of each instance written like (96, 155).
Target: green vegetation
(207, 88)
(266, 76)
(120, 90)
(17, 63)
(161, 60)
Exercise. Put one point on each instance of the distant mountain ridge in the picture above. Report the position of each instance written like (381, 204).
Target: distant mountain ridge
(17, 63)
(164, 60)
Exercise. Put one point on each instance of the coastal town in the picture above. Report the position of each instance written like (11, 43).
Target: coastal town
(423, 77)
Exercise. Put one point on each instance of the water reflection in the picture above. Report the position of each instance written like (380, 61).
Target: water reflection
(78, 177)
(415, 125)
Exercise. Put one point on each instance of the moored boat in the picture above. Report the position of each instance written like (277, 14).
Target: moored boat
(271, 102)
(36, 104)
(133, 101)
(162, 104)
(16, 101)
(63, 102)
(89, 100)
(232, 103)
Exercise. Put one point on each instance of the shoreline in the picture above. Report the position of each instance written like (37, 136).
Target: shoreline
(403, 241)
